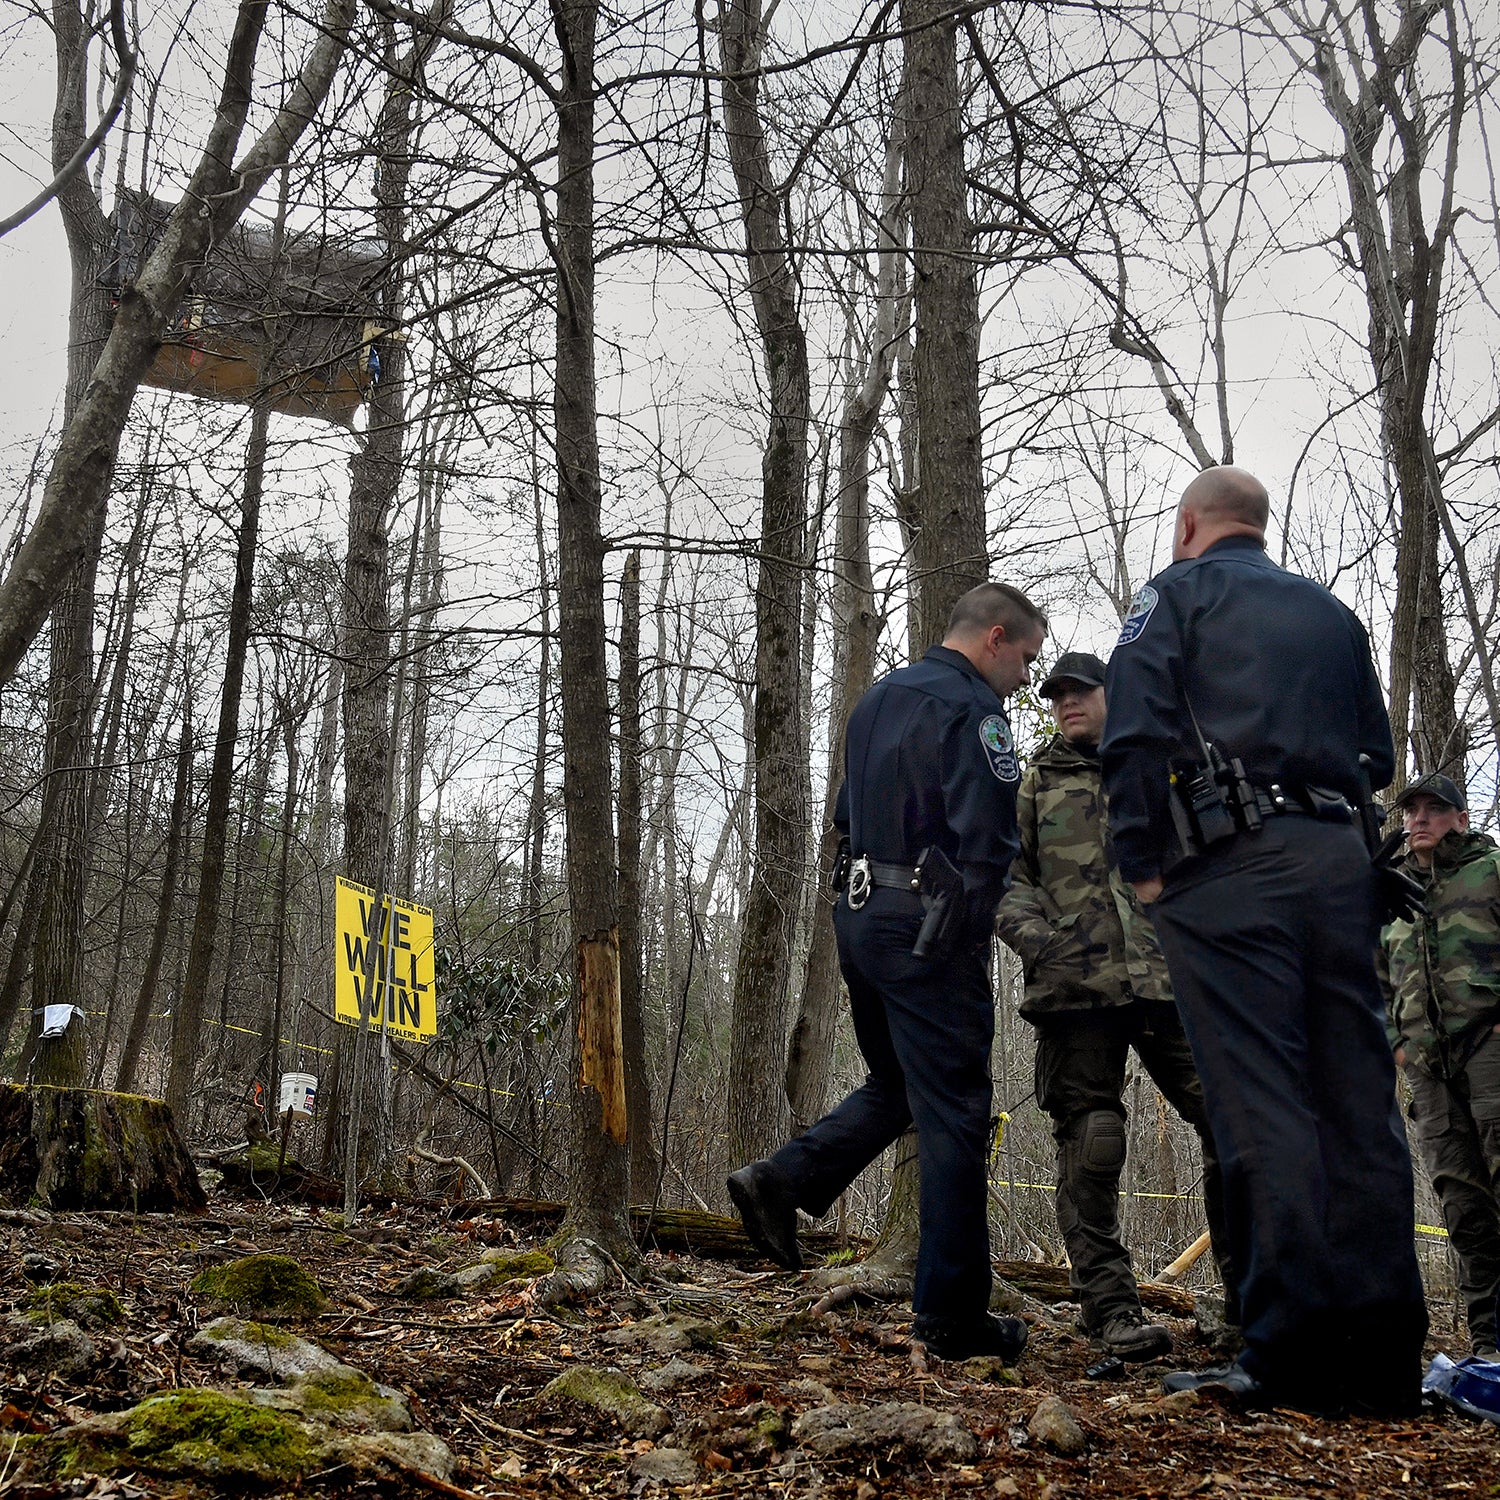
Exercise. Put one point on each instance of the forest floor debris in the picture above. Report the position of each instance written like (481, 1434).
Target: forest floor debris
(758, 1396)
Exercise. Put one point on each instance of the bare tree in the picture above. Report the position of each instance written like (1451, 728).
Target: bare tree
(218, 193)
(757, 1115)
(1400, 137)
(598, 1216)
(951, 553)
(857, 618)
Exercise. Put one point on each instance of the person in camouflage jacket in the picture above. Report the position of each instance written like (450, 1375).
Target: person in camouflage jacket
(1096, 986)
(1441, 975)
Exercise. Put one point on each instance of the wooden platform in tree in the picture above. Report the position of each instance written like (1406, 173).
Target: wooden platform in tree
(72, 1149)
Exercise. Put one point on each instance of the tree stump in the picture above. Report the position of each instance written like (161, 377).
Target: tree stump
(87, 1149)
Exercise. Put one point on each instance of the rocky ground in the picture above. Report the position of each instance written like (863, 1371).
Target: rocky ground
(428, 1367)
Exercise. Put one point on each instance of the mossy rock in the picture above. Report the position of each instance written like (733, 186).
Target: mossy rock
(192, 1432)
(267, 1284)
(58, 1348)
(427, 1284)
(89, 1307)
(668, 1333)
(342, 1396)
(611, 1393)
(495, 1267)
(755, 1433)
(229, 1441)
(518, 1265)
(222, 1330)
(259, 1349)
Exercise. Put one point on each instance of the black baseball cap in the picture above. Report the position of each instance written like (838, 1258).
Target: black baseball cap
(1073, 666)
(1444, 788)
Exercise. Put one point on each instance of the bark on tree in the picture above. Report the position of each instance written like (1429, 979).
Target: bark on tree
(598, 1217)
(857, 625)
(534, 887)
(140, 1018)
(375, 478)
(759, 1020)
(60, 872)
(187, 1014)
(1373, 89)
(632, 1016)
(951, 553)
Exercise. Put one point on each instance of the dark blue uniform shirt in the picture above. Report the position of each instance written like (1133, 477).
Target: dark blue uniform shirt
(929, 759)
(1277, 671)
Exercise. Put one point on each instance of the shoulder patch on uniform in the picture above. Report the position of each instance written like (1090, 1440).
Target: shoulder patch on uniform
(1000, 748)
(1139, 612)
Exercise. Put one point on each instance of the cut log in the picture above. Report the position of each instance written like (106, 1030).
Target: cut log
(72, 1149)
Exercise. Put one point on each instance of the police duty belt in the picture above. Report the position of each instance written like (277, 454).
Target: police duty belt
(866, 873)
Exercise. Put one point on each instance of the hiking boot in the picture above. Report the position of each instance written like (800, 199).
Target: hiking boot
(1130, 1336)
(1232, 1384)
(767, 1207)
(969, 1338)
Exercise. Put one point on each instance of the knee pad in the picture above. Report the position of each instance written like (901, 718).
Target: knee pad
(1101, 1142)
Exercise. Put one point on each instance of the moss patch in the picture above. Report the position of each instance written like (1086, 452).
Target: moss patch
(188, 1432)
(613, 1394)
(426, 1283)
(260, 1333)
(518, 1265)
(262, 1283)
(346, 1397)
(89, 1307)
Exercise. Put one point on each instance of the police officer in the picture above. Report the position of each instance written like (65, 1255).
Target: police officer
(1441, 973)
(1263, 897)
(928, 806)
(1096, 986)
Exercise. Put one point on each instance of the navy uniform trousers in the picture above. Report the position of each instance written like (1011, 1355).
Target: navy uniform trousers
(1270, 941)
(924, 1029)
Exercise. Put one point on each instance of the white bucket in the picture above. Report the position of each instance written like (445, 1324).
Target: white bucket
(298, 1091)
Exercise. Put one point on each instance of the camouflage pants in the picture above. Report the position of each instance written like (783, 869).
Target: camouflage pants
(1080, 1082)
(1456, 1122)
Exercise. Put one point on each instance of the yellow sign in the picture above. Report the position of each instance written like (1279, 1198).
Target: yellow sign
(383, 963)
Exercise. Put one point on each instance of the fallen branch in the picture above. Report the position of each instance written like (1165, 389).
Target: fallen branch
(420, 1151)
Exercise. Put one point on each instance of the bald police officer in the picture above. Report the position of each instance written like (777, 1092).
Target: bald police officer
(1247, 694)
(928, 806)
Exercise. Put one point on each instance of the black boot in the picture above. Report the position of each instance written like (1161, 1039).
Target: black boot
(767, 1208)
(970, 1338)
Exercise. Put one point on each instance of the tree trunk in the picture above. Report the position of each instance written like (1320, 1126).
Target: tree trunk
(857, 628)
(1402, 267)
(758, 1027)
(951, 548)
(187, 1014)
(271, 1039)
(632, 1018)
(140, 1019)
(951, 553)
(375, 478)
(536, 809)
(61, 868)
(598, 1198)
